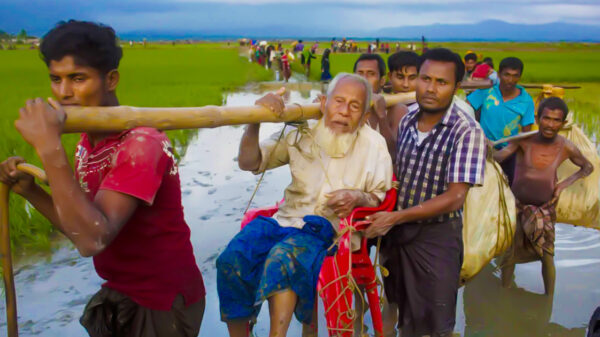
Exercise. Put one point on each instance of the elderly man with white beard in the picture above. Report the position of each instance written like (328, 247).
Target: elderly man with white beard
(337, 164)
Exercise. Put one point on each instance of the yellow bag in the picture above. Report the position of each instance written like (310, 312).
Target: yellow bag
(489, 221)
(579, 204)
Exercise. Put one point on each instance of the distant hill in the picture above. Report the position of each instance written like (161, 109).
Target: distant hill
(491, 30)
(496, 30)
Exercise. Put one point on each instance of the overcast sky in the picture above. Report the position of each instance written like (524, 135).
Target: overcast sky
(37, 16)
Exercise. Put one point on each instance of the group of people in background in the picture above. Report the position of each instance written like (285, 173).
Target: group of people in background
(274, 56)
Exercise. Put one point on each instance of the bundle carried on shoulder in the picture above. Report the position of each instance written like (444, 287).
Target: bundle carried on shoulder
(489, 221)
(579, 204)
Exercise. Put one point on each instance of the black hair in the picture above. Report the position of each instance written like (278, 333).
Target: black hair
(553, 103)
(91, 44)
(488, 60)
(402, 59)
(370, 57)
(445, 55)
(471, 56)
(511, 63)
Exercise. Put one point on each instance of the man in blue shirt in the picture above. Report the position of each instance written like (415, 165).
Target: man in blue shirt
(506, 108)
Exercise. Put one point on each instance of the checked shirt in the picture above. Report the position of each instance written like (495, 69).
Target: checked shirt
(453, 152)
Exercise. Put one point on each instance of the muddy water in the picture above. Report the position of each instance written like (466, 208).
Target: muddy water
(52, 290)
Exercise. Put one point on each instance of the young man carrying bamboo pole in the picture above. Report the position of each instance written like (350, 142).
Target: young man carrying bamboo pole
(537, 189)
(336, 165)
(121, 205)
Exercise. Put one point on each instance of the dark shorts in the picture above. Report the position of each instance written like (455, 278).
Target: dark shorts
(265, 258)
(112, 314)
(424, 262)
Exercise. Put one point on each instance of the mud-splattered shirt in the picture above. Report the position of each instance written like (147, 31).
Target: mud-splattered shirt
(151, 259)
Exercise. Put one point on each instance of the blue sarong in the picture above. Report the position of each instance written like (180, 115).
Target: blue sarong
(265, 258)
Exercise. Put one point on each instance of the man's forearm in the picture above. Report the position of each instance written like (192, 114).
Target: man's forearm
(585, 166)
(446, 202)
(582, 173)
(249, 157)
(42, 201)
(78, 217)
(502, 155)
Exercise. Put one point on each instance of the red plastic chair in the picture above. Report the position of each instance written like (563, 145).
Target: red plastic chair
(333, 286)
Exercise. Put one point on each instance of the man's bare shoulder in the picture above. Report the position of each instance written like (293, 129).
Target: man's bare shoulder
(398, 108)
(569, 146)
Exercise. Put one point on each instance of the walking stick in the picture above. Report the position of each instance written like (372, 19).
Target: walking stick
(7, 269)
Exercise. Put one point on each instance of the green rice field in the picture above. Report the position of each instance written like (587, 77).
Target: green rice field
(544, 62)
(199, 74)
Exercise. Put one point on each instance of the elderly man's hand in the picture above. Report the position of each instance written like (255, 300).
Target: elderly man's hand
(273, 102)
(342, 202)
(382, 222)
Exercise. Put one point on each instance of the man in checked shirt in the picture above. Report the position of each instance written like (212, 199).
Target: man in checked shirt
(440, 155)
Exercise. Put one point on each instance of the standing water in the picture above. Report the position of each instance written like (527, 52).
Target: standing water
(53, 290)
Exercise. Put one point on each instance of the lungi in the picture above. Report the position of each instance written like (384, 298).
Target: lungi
(265, 258)
(424, 261)
(534, 234)
(112, 314)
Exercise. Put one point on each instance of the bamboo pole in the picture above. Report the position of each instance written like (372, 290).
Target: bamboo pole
(119, 118)
(483, 84)
(515, 137)
(7, 267)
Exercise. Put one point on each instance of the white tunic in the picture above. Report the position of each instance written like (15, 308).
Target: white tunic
(366, 167)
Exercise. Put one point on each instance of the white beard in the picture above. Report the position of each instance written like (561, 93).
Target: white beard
(334, 145)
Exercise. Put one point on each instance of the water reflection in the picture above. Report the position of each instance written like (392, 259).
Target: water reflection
(491, 310)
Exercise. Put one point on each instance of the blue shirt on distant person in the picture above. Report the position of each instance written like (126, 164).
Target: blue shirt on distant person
(500, 119)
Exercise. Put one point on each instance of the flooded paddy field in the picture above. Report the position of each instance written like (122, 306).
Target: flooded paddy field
(53, 289)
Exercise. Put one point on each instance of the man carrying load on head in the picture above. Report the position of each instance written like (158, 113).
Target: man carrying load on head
(337, 164)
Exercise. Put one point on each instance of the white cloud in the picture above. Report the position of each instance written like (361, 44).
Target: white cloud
(568, 11)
